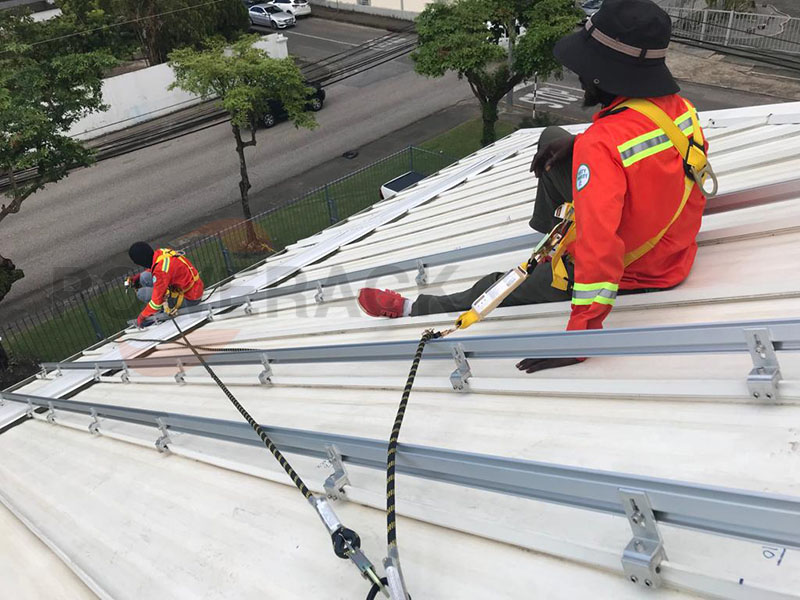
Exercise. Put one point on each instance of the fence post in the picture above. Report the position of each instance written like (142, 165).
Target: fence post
(728, 32)
(411, 158)
(705, 24)
(333, 211)
(98, 331)
(226, 256)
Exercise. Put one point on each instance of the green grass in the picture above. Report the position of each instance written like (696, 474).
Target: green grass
(465, 139)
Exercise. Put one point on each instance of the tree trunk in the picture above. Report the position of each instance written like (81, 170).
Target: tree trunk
(489, 115)
(9, 273)
(244, 184)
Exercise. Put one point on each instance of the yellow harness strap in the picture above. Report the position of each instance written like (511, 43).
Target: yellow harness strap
(174, 297)
(697, 170)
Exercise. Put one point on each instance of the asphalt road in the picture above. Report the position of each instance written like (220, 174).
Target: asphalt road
(78, 223)
(80, 228)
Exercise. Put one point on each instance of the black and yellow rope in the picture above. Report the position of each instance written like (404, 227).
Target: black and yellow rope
(391, 519)
(256, 427)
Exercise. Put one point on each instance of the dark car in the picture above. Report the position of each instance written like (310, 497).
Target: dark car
(277, 112)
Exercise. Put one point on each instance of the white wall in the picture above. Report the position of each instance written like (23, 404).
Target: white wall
(142, 95)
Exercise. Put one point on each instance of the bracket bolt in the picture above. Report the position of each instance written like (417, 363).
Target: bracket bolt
(634, 579)
(648, 583)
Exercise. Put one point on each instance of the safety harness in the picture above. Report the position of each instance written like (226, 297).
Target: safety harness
(696, 168)
(173, 298)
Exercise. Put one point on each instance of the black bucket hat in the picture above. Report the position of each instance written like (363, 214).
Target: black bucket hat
(622, 49)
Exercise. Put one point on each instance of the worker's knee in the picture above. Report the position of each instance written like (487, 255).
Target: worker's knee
(551, 134)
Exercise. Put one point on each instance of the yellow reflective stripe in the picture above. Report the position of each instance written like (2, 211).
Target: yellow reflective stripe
(595, 300)
(155, 306)
(653, 142)
(165, 266)
(600, 285)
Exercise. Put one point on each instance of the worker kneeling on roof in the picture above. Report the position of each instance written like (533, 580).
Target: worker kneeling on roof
(636, 197)
(169, 281)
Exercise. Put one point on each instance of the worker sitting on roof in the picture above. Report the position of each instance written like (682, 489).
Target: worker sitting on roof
(169, 281)
(637, 206)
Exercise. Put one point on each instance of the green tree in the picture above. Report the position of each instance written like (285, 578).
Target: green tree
(243, 78)
(162, 26)
(455, 37)
(40, 99)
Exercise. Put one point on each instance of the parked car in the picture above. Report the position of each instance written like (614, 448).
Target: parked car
(298, 8)
(277, 112)
(270, 16)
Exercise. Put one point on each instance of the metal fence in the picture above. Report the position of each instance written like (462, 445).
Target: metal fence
(772, 33)
(79, 321)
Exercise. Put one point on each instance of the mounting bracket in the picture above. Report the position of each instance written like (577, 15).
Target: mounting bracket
(163, 441)
(762, 382)
(180, 376)
(334, 484)
(460, 377)
(642, 557)
(422, 274)
(265, 377)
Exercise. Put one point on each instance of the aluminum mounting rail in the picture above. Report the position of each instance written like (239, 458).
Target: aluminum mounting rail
(757, 196)
(716, 338)
(521, 242)
(743, 514)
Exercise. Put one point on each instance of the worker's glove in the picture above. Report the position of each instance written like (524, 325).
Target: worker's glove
(531, 365)
(133, 280)
(556, 151)
(141, 322)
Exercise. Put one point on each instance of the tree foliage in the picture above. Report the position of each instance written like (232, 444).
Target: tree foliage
(244, 79)
(469, 38)
(40, 99)
(162, 26)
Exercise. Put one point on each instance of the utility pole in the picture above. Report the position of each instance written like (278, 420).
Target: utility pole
(511, 36)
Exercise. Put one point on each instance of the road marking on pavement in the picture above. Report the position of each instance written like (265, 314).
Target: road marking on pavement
(316, 37)
(548, 95)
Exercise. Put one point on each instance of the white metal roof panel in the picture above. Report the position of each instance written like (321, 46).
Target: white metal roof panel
(678, 417)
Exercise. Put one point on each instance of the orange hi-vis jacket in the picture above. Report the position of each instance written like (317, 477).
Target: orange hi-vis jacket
(629, 182)
(172, 272)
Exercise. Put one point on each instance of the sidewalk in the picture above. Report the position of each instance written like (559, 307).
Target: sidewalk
(707, 67)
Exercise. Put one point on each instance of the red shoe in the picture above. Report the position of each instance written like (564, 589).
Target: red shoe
(381, 303)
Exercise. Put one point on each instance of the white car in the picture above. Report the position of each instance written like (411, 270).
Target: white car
(298, 8)
(270, 16)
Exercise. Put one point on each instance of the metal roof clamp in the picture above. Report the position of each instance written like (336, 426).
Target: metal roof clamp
(96, 373)
(209, 315)
(248, 306)
(126, 374)
(319, 297)
(29, 412)
(50, 415)
(642, 557)
(334, 484)
(2, 399)
(394, 576)
(762, 382)
(162, 443)
(94, 426)
(180, 376)
(422, 274)
(265, 377)
(346, 542)
(461, 375)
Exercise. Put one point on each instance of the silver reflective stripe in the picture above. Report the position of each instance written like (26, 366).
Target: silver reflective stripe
(590, 294)
(656, 141)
